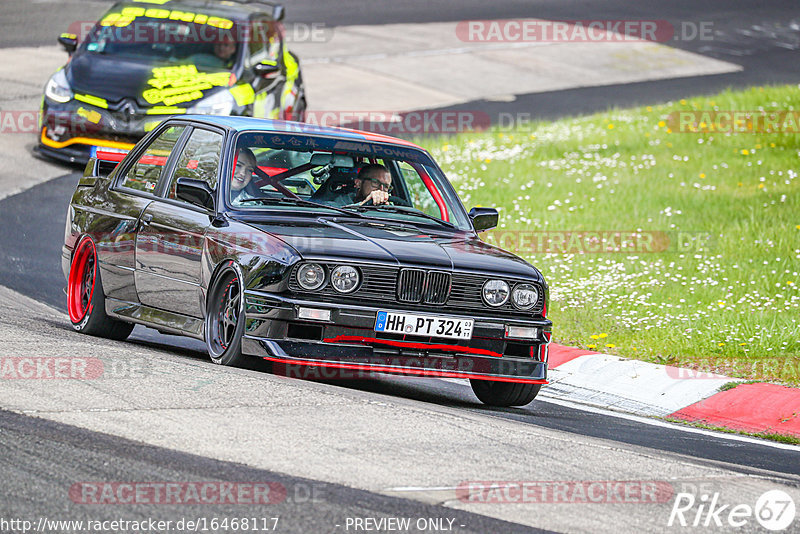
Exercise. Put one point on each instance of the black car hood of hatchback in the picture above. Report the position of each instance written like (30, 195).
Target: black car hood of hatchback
(396, 244)
(113, 78)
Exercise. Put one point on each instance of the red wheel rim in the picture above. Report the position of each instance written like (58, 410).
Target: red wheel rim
(82, 276)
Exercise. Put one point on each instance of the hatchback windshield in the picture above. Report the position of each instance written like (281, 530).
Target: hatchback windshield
(160, 35)
(359, 178)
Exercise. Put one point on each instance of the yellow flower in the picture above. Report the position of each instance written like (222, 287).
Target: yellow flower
(661, 124)
(789, 283)
(740, 184)
(772, 145)
(488, 160)
(594, 336)
(533, 136)
(721, 303)
(669, 130)
(798, 226)
(610, 345)
(603, 335)
(445, 148)
(683, 102)
(649, 108)
(611, 126)
(742, 344)
(591, 346)
(702, 175)
(745, 152)
(758, 146)
(761, 186)
(720, 344)
(634, 349)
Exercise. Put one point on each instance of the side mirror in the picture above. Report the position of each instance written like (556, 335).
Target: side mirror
(278, 13)
(69, 41)
(195, 192)
(483, 218)
(267, 69)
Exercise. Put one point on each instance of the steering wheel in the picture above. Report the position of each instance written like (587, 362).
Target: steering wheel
(397, 201)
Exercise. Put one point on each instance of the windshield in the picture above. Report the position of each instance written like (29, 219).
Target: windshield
(321, 174)
(161, 35)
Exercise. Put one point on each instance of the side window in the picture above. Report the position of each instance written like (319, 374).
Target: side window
(263, 40)
(198, 160)
(144, 174)
(421, 197)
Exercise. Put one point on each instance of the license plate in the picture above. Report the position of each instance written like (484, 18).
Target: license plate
(423, 325)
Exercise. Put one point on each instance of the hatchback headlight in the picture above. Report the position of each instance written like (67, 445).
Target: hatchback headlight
(311, 276)
(344, 279)
(220, 103)
(496, 292)
(57, 88)
(525, 296)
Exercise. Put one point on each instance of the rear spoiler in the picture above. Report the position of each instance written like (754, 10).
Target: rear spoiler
(103, 161)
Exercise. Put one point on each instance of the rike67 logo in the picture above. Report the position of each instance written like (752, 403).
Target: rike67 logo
(774, 510)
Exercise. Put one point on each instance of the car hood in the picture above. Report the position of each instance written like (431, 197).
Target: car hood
(113, 79)
(396, 244)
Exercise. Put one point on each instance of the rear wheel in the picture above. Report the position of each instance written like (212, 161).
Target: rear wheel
(504, 393)
(225, 318)
(86, 301)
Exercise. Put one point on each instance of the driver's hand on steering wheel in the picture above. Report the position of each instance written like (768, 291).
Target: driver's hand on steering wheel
(377, 197)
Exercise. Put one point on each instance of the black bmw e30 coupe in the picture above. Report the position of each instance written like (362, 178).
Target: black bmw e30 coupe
(304, 245)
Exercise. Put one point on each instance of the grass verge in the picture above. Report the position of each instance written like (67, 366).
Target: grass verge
(670, 246)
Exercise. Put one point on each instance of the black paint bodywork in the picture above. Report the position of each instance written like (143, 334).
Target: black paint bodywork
(158, 257)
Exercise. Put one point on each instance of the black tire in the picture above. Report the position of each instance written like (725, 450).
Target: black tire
(504, 393)
(225, 318)
(86, 301)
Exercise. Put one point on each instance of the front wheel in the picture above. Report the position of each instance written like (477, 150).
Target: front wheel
(225, 318)
(504, 393)
(86, 301)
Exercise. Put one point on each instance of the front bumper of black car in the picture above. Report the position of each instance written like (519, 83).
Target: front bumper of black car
(347, 345)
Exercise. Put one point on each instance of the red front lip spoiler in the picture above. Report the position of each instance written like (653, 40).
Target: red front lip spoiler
(409, 345)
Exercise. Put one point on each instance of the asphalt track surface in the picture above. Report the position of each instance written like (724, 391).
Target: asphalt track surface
(31, 234)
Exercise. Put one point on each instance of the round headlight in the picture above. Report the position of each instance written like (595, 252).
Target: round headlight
(311, 276)
(525, 296)
(495, 292)
(344, 279)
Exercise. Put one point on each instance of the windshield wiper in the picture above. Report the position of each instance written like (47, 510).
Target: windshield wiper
(300, 202)
(403, 209)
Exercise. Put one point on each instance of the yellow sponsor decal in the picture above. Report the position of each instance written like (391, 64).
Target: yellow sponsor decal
(165, 110)
(90, 115)
(69, 36)
(92, 100)
(128, 14)
(182, 83)
(243, 94)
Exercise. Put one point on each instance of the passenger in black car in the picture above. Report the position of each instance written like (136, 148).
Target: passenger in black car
(241, 182)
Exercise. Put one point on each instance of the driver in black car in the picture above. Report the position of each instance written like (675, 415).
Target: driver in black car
(373, 183)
